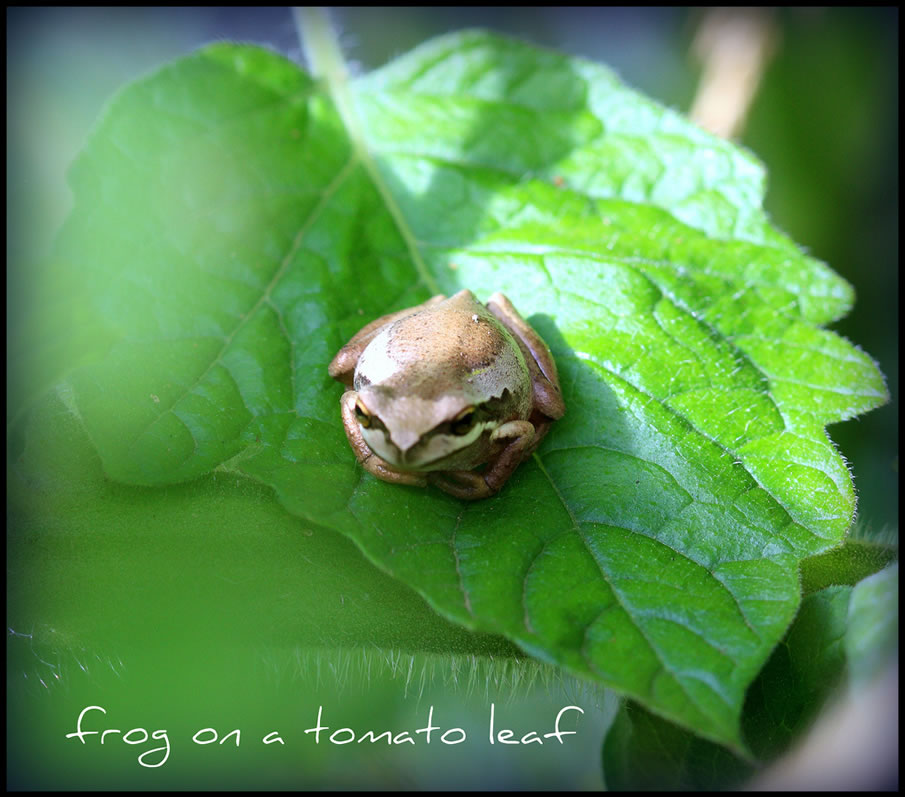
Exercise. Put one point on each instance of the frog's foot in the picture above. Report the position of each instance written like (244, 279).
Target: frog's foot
(465, 484)
(384, 471)
(368, 459)
(472, 486)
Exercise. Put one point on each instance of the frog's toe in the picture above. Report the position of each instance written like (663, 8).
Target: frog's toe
(464, 484)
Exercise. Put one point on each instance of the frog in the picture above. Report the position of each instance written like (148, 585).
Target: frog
(452, 393)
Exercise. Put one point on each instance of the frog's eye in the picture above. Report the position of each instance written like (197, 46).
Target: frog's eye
(362, 415)
(463, 422)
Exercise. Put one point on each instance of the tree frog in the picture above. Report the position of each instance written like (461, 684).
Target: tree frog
(444, 387)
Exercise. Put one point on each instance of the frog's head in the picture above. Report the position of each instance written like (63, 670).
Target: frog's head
(416, 433)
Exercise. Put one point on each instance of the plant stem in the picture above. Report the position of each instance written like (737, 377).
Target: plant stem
(734, 47)
(326, 61)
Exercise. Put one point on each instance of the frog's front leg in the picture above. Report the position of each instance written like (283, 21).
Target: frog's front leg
(472, 486)
(368, 459)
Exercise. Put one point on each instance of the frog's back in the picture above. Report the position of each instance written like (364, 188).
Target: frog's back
(455, 346)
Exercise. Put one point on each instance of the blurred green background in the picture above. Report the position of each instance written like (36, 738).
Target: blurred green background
(824, 123)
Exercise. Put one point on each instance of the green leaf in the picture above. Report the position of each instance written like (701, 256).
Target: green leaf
(647, 752)
(803, 671)
(232, 229)
(643, 752)
(871, 638)
(839, 629)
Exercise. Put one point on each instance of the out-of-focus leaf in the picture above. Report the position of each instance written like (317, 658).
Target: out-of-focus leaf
(871, 638)
(643, 752)
(804, 670)
(210, 564)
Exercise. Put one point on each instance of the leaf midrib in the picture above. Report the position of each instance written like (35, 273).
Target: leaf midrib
(576, 527)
